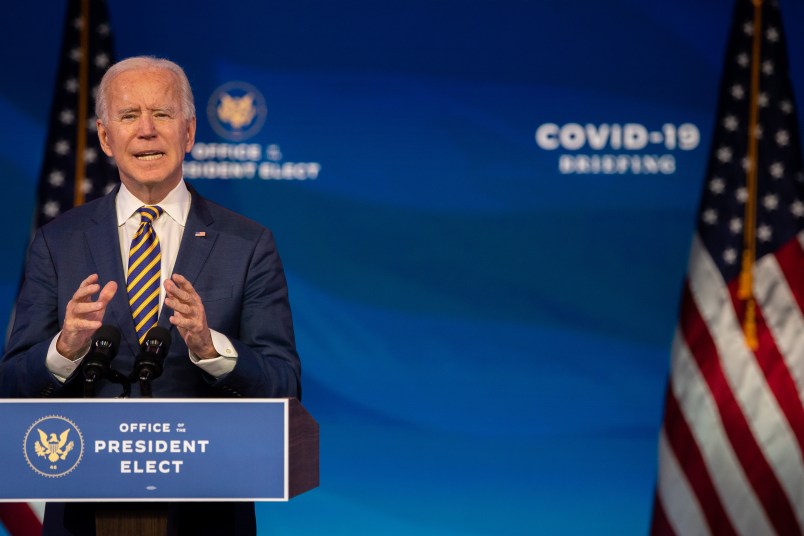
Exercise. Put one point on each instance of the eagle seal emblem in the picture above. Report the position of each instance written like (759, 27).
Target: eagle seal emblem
(236, 111)
(53, 446)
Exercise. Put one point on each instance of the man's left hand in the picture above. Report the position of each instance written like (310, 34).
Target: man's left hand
(189, 316)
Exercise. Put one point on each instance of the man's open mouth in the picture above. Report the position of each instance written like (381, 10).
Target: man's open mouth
(149, 155)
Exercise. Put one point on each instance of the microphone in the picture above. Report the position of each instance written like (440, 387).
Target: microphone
(149, 362)
(102, 350)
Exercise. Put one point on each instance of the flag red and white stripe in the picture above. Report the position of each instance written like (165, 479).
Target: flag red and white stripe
(731, 446)
(22, 519)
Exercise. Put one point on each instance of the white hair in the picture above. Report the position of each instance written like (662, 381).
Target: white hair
(144, 63)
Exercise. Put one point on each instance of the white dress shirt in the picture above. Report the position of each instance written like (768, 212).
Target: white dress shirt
(169, 228)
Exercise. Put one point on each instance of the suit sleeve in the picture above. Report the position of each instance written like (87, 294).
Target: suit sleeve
(23, 373)
(267, 363)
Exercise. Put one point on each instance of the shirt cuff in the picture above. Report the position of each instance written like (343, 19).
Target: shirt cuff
(217, 367)
(58, 365)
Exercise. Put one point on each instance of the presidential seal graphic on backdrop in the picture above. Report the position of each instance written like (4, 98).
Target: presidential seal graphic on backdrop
(236, 111)
(53, 446)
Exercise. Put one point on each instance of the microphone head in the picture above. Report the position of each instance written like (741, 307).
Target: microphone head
(103, 349)
(149, 362)
(157, 336)
(109, 335)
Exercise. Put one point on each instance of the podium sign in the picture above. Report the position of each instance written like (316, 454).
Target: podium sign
(157, 450)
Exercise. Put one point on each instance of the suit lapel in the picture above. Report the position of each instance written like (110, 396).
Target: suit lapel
(196, 245)
(104, 246)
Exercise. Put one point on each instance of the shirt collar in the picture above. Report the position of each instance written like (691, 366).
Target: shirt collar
(176, 204)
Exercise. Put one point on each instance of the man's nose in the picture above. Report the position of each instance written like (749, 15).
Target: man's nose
(146, 127)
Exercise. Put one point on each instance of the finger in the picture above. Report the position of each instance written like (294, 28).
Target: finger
(85, 308)
(174, 299)
(108, 292)
(84, 292)
(177, 293)
(182, 324)
(178, 320)
(89, 280)
(82, 324)
(183, 283)
(184, 309)
(187, 317)
(180, 279)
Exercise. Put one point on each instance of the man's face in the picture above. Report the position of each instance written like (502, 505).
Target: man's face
(146, 132)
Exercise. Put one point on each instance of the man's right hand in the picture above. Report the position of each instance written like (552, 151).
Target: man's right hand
(84, 316)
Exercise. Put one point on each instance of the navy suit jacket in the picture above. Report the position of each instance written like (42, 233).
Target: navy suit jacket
(231, 261)
(233, 264)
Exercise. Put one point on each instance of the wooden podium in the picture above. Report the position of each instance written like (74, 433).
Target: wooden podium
(132, 521)
(136, 458)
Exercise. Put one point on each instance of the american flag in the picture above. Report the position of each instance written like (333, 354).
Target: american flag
(74, 168)
(730, 450)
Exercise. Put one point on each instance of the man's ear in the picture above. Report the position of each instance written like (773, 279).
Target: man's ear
(190, 135)
(103, 137)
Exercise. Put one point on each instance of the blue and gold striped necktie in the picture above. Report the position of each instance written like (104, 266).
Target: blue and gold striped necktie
(144, 269)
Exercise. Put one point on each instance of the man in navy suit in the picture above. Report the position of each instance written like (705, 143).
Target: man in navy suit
(223, 293)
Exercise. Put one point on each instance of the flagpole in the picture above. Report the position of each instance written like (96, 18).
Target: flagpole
(83, 91)
(745, 291)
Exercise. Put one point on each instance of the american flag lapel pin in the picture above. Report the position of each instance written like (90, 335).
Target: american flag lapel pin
(200, 234)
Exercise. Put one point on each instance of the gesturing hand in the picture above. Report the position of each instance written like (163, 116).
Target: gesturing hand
(84, 316)
(189, 316)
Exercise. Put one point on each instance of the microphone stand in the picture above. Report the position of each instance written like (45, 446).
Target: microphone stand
(118, 377)
(145, 384)
(89, 387)
(115, 376)
(149, 362)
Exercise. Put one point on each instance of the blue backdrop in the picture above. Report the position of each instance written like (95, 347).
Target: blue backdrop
(484, 209)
